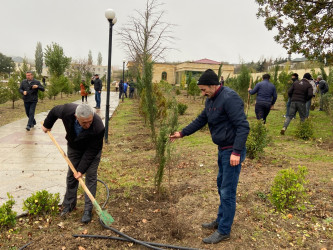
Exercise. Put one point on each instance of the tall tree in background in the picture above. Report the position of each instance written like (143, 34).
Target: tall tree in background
(56, 60)
(39, 58)
(23, 69)
(99, 59)
(90, 58)
(146, 36)
(304, 26)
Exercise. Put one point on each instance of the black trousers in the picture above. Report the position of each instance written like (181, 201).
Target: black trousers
(30, 108)
(262, 110)
(70, 199)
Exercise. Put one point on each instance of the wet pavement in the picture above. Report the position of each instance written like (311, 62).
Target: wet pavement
(30, 162)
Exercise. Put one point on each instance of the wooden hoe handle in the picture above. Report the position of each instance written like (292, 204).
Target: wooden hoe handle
(70, 164)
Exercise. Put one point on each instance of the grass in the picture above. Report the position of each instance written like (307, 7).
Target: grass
(190, 196)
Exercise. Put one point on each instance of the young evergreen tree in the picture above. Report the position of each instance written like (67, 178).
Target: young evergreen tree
(39, 58)
(90, 58)
(56, 60)
(99, 59)
(13, 89)
(23, 70)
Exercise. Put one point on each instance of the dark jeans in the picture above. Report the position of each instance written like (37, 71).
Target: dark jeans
(98, 99)
(262, 110)
(75, 157)
(294, 107)
(121, 92)
(131, 93)
(307, 107)
(227, 180)
(288, 107)
(30, 108)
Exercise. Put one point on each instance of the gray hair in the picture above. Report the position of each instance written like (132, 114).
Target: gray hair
(29, 72)
(320, 77)
(84, 111)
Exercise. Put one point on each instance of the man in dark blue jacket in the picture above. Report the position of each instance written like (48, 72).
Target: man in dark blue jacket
(224, 113)
(98, 89)
(266, 97)
(29, 89)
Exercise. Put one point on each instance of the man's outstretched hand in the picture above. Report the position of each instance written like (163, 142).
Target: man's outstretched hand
(175, 136)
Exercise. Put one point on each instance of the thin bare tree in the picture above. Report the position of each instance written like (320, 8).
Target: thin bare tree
(146, 36)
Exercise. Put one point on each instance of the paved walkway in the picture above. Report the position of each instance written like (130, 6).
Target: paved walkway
(30, 162)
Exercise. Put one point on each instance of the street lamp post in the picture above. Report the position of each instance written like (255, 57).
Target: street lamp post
(111, 16)
(124, 70)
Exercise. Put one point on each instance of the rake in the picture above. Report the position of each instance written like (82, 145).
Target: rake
(103, 215)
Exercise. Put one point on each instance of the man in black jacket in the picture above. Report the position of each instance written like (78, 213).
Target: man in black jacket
(98, 89)
(84, 135)
(29, 89)
(299, 93)
(224, 113)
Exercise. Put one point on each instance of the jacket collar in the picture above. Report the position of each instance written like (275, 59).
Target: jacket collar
(217, 92)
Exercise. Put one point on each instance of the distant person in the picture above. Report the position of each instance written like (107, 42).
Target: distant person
(266, 97)
(314, 88)
(224, 114)
(84, 135)
(29, 89)
(84, 93)
(323, 88)
(125, 89)
(131, 89)
(222, 81)
(300, 92)
(98, 89)
(44, 80)
(121, 88)
(117, 86)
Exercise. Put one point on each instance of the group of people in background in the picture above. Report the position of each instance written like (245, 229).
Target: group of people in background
(300, 94)
(123, 86)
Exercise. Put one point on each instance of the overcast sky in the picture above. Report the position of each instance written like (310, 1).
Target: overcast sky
(221, 30)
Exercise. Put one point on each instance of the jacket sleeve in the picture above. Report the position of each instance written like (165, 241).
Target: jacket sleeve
(310, 92)
(234, 108)
(274, 96)
(254, 90)
(195, 125)
(21, 88)
(55, 114)
(40, 86)
(291, 90)
(91, 152)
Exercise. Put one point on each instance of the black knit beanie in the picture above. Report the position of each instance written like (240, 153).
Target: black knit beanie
(209, 77)
(307, 76)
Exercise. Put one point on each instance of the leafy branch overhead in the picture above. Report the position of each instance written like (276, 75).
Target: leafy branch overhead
(304, 26)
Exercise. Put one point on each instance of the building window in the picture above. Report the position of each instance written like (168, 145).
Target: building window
(164, 76)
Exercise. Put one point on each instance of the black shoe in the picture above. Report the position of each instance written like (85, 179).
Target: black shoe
(216, 237)
(32, 126)
(65, 211)
(86, 218)
(211, 225)
(28, 128)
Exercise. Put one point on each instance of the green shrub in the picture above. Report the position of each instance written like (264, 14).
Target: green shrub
(304, 130)
(257, 139)
(288, 190)
(177, 91)
(181, 108)
(7, 215)
(42, 203)
(327, 100)
(4, 94)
